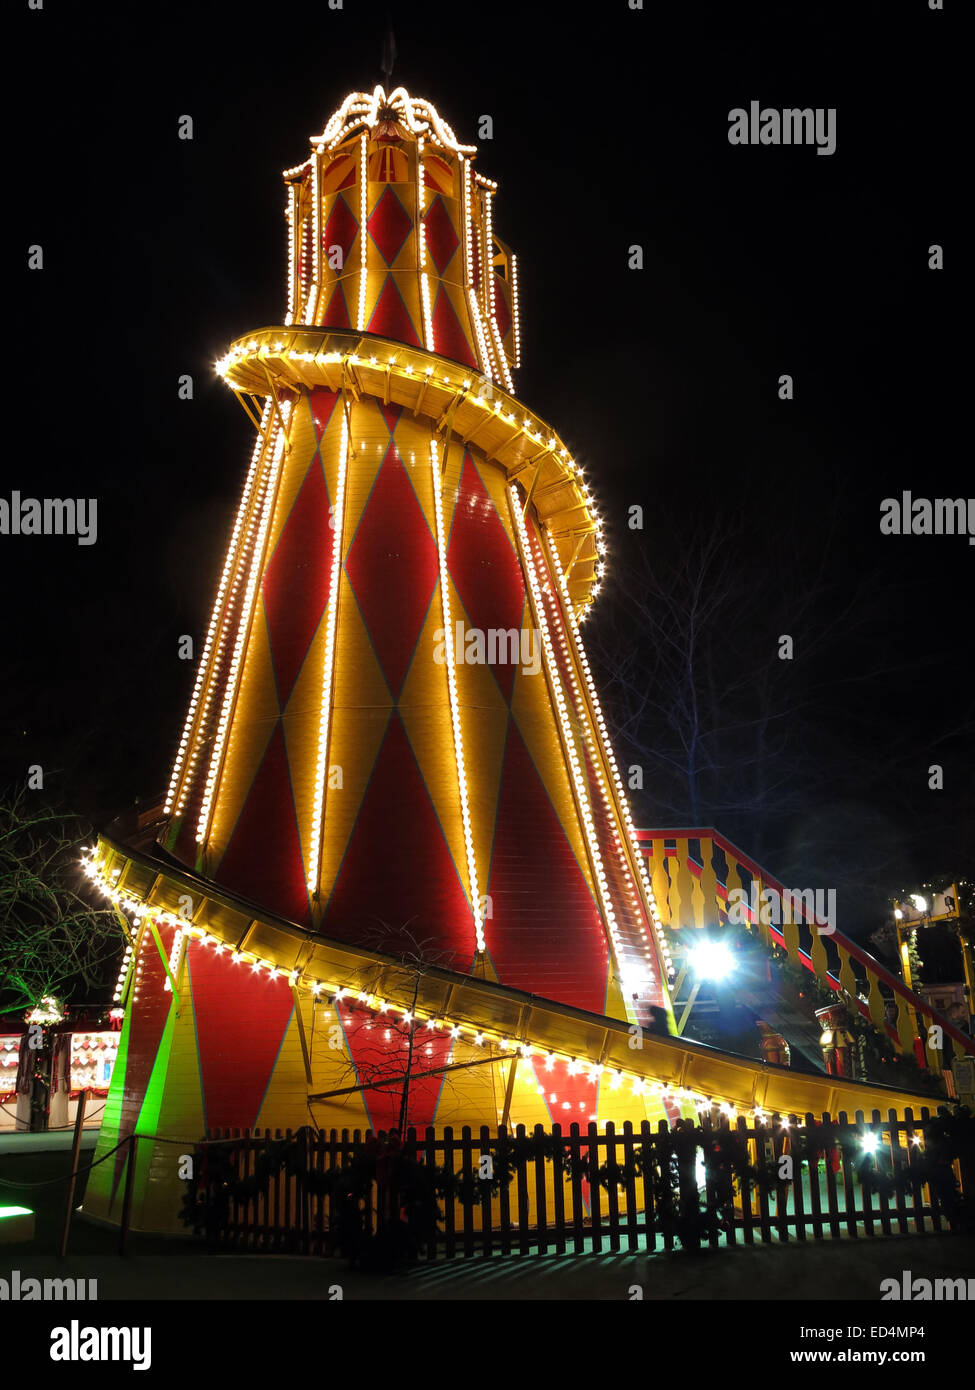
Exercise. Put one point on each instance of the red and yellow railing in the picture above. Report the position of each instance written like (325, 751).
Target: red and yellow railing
(694, 871)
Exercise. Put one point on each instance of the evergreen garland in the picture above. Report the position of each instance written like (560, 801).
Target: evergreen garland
(407, 1191)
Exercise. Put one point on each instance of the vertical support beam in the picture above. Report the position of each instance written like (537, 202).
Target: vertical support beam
(301, 1034)
(509, 1090)
(79, 1121)
(133, 1157)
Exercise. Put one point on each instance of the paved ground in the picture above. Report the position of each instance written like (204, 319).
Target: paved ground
(842, 1271)
(164, 1268)
(59, 1141)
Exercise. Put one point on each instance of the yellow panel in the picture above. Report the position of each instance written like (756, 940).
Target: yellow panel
(301, 723)
(294, 470)
(425, 710)
(360, 712)
(370, 440)
(484, 723)
(534, 714)
(252, 725)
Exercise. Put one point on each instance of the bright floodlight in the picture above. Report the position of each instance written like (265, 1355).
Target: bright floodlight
(711, 960)
(919, 902)
(869, 1142)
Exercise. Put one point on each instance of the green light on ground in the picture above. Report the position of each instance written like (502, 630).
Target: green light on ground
(15, 1211)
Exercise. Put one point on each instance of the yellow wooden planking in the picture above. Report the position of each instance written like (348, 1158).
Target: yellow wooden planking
(360, 712)
(253, 723)
(301, 723)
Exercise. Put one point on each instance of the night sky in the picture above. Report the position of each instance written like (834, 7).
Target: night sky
(610, 130)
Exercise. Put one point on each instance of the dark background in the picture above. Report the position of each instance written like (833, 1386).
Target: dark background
(610, 129)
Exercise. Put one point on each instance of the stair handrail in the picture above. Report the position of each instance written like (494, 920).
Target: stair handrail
(870, 964)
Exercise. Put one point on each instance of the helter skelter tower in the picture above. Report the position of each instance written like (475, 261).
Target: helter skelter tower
(393, 721)
(393, 724)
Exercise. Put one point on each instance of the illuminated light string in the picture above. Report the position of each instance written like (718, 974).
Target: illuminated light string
(490, 305)
(489, 267)
(487, 365)
(234, 674)
(241, 351)
(555, 682)
(222, 605)
(487, 285)
(311, 309)
(174, 956)
(363, 230)
(516, 315)
(465, 178)
(485, 360)
(644, 967)
(452, 692)
(321, 768)
(421, 227)
(417, 114)
(586, 724)
(475, 1035)
(292, 217)
(422, 234)
(240, 568)
(609, 758)
(123, 973)
(532, 426)
(308, 232)
(502, 359)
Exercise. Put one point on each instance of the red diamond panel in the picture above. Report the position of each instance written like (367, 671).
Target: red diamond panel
(263, 860)
(295, 584)
(546, 935)
(322, 402)
(448, 336)
(391, 318)
(379, 1045)
(389, 225)
(502, 314)
(439, 233)
(341, 228)
(241, 1018)
(337, 313)
(392, 566)
(484, 566)
(397, 869)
